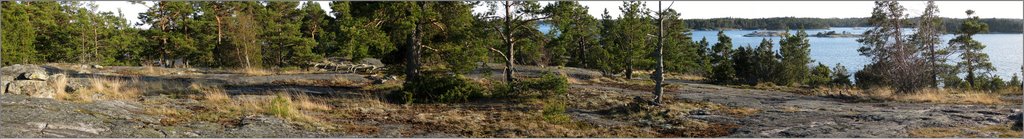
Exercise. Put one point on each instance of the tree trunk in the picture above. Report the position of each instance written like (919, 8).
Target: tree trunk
(510, 42)
(412, 56)
(659, 72)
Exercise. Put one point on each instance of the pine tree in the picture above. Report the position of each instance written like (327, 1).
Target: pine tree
(795, 51)
(973, 61)
(575, 31)
(516, 24)
(722, 67)
(766, 62)
(632, 44)
(896, 62)
(18, 34)
(840, 77)
(927, 38)
(283, 36)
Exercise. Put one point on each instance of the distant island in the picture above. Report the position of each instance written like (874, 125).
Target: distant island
(996, 25)
(833, 34)
(765, 34)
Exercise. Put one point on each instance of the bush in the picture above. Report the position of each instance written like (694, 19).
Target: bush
(554, 112)
(869, 77)
(438, 89)
(546, 86)
(820, 76)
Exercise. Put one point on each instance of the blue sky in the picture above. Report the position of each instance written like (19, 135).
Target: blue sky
(741, 9)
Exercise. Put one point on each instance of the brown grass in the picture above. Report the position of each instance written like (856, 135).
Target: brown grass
(946, 96)
(104, 89)
(305, 102)
(144, 70)
(934, 132)
(59, 85)
(685, 77)
(254, 71)
(335, 82)
(1002, 130)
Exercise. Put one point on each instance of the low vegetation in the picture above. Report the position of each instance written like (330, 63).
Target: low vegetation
(949, 96)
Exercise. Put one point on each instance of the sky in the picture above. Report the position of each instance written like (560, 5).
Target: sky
(737, 9)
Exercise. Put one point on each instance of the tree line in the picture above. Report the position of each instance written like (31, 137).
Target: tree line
(996, 25)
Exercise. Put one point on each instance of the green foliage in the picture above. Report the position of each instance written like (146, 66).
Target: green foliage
(548, 85)
(722, 65)
(554, 112)
(575, 33)
(795, 51)
(868, 77)
(18, 34)
(973, 60)
(436, 88)
(820, 76)
(280, 106)
(840, 77)
(1014, 81)
(633, 44)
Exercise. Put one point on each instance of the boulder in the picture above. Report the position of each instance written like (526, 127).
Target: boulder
(34, 75)
(32, 88)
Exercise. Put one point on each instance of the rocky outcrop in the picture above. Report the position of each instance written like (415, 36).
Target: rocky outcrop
(34, 75)
(33, 88)
(32, 81)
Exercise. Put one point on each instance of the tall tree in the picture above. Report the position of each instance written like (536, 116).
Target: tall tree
(169, 31)
(722, 65)
(18, 34)
(635, 31)
(927, 37)
(973, 61)
(795, 51)
(575, 33)
(283, 35)
(518, 22)
(897, 60)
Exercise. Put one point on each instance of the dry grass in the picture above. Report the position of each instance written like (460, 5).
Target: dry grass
(305, 102)
(104, 89)
(741, 111)
(685, 77)
(254, 71)
(335, 82)
(1000, 130)
(144, 70)
(951, 97)
(59, 86)
(934, 132)
(170, 115)
(946, 96)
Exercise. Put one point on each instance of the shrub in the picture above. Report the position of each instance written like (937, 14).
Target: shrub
(820, 76)
(554, 112)
(546, 86)
(869, 77)
(438, 89)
